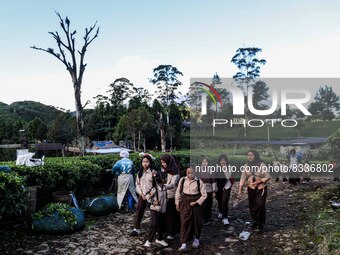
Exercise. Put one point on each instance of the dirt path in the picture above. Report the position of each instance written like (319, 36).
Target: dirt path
(110, 234)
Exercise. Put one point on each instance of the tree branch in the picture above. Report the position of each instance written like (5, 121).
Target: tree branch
(87, 41)
(51, 51)
(87, 102)
(71, 45)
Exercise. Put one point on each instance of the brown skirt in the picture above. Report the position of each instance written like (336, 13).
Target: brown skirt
(257, 204)
(191, 218)
(172, 216)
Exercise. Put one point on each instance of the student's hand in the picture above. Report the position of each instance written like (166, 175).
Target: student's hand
(214, 194)
(193, 203)
(143, 196)
(177, 208)
(257, 183)
(239, 194)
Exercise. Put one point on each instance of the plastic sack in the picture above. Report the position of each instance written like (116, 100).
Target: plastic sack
(56, 224)
(102, 206)
(5, 169)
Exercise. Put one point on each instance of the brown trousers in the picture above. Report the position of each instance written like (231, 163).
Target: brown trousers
(207, 207)
(172, 218)
(141, 205)
(225, 202)
(156, 225)
(191, 218)
(257, 204)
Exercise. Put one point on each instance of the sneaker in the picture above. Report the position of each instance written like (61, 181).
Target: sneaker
(196, 243)
(135, 232)
(147, 243)
(206, 223)
(259, 229)
(219, 216)
(254, 225)
(170, 237)
(225, 221)
(162, 242)
(183, 247)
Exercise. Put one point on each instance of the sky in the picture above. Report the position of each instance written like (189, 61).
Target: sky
(299, 39)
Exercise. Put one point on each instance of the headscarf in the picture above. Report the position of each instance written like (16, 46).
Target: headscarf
(220, 177)
(206, 177)
(124, 153)
(222, 156)
(172, 167)
(257, 161)
(141, 169)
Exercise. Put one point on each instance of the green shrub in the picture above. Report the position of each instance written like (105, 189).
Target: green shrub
(61, 174)
(12, 195)
(63, 211)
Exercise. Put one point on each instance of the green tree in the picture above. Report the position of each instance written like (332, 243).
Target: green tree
(36, 129)
(76, 68)
(174, 128)
(62, 129)
(2, 131)
(249, 69)
(134, 125)
(326, 103)
(246, 61)
(140, 98)
(120, 90)
(260, 95)
(159, 116)
(165, 78)
(334, 143)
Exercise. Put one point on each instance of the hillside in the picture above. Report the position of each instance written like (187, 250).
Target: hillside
(27, 111)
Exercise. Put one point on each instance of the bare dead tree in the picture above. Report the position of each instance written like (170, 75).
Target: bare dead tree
(66, 53)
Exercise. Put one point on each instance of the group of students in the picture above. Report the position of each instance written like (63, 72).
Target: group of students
(294, 160)
(184, 204)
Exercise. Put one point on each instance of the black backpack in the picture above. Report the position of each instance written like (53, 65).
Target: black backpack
(198, 185)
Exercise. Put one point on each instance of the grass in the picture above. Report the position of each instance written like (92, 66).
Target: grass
(308, 129)
(323, 227)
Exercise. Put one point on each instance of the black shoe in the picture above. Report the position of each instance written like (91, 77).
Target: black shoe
(260, 229)
(206, 223)
(255, 226)
(134, 233)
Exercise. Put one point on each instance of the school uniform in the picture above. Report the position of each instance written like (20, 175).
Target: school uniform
(157, 212)
(305, 175)
(210, 187)
(257, 195)
(191, 216)
(223, 193)
(143, 186)
(277, 166)
(172, 215)
(294, 161)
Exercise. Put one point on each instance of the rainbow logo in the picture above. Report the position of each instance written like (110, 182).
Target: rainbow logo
(211, 92)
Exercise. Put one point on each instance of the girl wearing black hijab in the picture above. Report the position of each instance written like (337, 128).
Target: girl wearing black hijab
(224, 184)
(211, 188)
(170, 167)
(256, 173)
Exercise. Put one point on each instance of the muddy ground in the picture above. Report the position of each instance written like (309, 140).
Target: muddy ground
(285, 232)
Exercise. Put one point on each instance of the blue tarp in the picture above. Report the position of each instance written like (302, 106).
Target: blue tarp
(5, 169)
(102, 206)
(56, 224)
